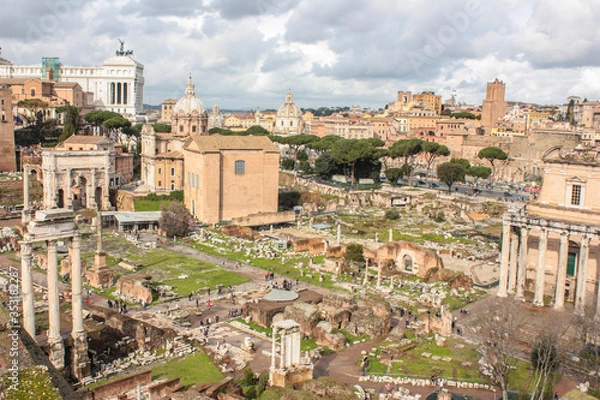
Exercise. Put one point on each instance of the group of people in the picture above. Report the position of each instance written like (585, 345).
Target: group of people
(120, 304)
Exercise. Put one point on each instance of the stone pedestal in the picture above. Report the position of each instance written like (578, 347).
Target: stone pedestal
(81, 361)
(56, 353)
(101, 275)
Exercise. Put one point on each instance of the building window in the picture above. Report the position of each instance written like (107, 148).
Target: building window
(408, 263)
(32, 92)
(576, 195)
(193, 128)
(160, 171)
(159, 183)
(240, 167)
(172, 185)
(172, 171)
(180, 128)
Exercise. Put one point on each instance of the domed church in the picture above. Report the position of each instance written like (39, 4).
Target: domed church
(289, 117)
(162, 153)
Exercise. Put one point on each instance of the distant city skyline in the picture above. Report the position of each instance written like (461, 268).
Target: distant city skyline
(247, 54)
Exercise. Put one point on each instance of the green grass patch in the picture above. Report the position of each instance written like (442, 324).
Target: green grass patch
(149, 205)
(192, 370)
(34, 383)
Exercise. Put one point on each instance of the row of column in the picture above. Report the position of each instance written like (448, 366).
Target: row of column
(55, 342)
(289, 354)
(118, 92)
(513, 267)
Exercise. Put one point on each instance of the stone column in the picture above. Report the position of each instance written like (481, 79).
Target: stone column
(57, 350)
(27, 287)
(296, 346)
(106, 186)
(273, 347)
(282, 350)
(26, 187)
(514, 255)
(540, 271)
(522, 266)
(378, 273)
(582, 275)
(503, 282)
(92, 192)
(68, 194)
(561, 273)
(391, 239)
(81, 361)
(366, 272)
(339, 234)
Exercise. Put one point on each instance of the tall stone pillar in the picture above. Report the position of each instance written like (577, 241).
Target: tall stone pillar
(339, 234)
(274, 347)
(81, 361)
(27, 287)
(391, 238)
(522, 266)
(68, 194)
(57, 349)
(540, 271)
(366, 272)
(584, 252)
(92, 191)
(282, 351)
(378, 273)
(503, 282)
(514, 256)
(561, 273)
(26, 213)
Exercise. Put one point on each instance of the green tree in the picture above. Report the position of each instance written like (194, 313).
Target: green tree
(479, 172)
(393, 174)
(175, 219)
(325, 166)
(288, 164)
(432, 151)
(450, 173)
(408, 150)
(114, 125)
(354, 254)
(324, 144)
(302, 155)
(463, 162)
(304, 167)
(165, 128)
(257, 130)
(492, 154)
(35, 107)
(71, 121)
(545, 360)
(348, 152)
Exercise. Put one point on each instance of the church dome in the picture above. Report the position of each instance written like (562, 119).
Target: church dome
(189, 103)
(289, 109)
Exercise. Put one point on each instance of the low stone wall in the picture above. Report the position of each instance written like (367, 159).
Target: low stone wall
(122, 385)
(159, 390)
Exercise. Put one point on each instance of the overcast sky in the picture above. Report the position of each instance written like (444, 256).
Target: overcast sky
(245, 53)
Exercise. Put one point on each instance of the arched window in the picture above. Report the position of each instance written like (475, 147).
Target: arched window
(408, 263)
(32, 92)
(240, 167)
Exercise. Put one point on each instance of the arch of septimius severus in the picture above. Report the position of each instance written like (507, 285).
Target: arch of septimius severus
(49, 226)
(551, 246)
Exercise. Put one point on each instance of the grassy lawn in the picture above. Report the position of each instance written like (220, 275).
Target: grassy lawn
(412, 364)
(287, 269)
(34, 383)
(192, 370)
(148, 205)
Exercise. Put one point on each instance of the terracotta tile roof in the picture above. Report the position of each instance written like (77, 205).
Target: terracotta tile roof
(219, 142)
(83, 139)
(170, 154)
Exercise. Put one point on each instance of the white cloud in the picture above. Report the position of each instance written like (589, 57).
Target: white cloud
(334, 52)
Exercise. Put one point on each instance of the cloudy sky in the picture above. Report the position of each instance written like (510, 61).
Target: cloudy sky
(245, 53)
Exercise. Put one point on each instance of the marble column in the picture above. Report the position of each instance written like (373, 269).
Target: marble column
(366, 272)
(68, 194)
(582, 275)
(561, 273)
(282, 350)
(339, 234)
(26, 213)
(92, 192)
(27, 287)
(379, 273)
(57, 350)
(514, 257)
(391, 238)
(522, 266)
(540, 271)
(273, 347)
(503, 281)
(81, 361)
